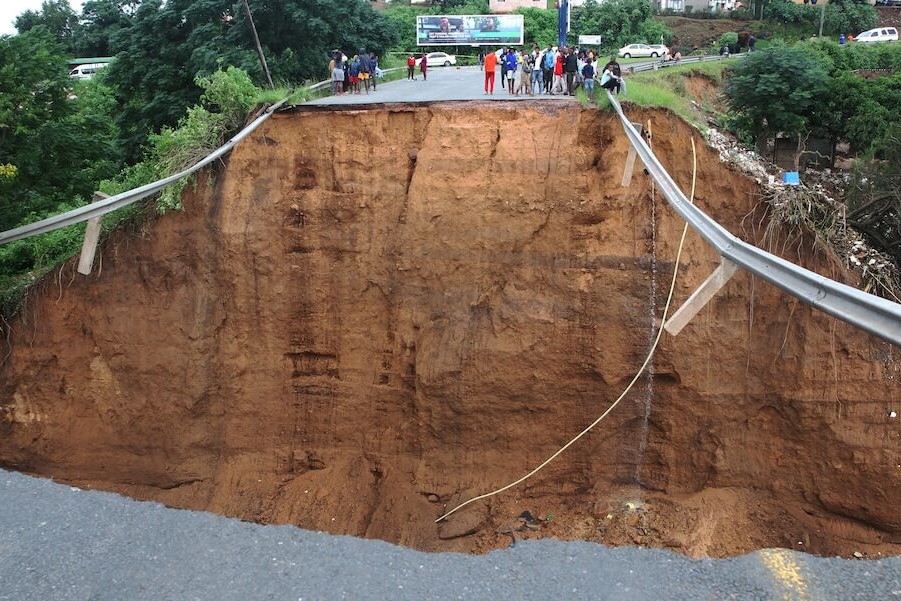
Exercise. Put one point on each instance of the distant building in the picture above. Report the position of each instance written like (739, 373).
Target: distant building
(698, 6)
(508, 6)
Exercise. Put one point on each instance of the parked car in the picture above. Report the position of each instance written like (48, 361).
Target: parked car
(880, 34)
(86, 71)
(637, 50)
(438, 59)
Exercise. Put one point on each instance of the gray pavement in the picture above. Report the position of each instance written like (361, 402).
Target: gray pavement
(443, 83)
(62, 543)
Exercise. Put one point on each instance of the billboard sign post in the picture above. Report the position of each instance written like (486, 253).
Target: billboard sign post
(476, 30)
(563, 18)
(589, 40)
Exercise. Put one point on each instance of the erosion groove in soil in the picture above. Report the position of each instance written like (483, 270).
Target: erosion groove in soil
(374, 314)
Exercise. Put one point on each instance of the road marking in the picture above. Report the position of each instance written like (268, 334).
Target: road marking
(787, 573)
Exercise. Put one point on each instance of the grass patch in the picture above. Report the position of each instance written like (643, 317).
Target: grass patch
(666, 88)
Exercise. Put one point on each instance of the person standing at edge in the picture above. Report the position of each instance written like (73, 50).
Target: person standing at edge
(365, 69)
(481, 59)
(548, 67)
(411, 65)
(511, 63)
(570, 67)
(490, 68)
(374, 63)
(588, 75)
(537, 71)
(558, 73)
(525, 74)
(424, 66)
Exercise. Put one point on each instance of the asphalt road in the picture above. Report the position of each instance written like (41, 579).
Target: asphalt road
(62, 543)
(443, 83)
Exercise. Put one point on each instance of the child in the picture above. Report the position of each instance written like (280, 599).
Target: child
(355, 75)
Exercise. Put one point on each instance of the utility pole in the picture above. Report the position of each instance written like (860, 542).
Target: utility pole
(256, 41)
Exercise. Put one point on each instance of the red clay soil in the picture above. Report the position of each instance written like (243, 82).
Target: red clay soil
(374, 314)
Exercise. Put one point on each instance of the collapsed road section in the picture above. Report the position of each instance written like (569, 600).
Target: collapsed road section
(368, 316)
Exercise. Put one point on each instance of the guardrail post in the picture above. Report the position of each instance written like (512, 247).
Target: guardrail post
(701, 297)
(91, 237)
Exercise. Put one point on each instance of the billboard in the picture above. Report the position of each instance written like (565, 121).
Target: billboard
(476, 30)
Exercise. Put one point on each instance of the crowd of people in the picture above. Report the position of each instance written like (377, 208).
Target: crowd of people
(554, 71)
(347, 75)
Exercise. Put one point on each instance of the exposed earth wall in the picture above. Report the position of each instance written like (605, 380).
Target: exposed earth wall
(372, 315)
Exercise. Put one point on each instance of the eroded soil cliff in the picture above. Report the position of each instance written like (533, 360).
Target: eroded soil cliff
(374, 314)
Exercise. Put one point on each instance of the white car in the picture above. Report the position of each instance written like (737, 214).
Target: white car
(880, 34)
(438, 59)
(637, 50)
(86, 71)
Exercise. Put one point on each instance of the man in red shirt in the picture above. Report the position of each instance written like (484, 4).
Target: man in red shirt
(490, 67)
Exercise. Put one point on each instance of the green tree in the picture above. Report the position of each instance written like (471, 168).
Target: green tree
(777, 89)
(168, 45)
(56, 16)
(540, 26)
(619, 22)
(849, 16)
(403, 20)
(33, 80)
(101, 21)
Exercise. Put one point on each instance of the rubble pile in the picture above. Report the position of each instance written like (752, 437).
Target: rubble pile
(813, 206)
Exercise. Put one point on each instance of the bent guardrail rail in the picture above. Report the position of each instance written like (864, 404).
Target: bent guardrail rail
(878, 316)
(102, 207)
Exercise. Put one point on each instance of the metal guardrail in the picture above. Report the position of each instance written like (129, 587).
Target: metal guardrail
(662, 64)
(118, 201)
(873, 314)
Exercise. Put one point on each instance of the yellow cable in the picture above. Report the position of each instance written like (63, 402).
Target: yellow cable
(631, 384)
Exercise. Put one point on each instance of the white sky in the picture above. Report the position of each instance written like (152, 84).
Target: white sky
(10, 9)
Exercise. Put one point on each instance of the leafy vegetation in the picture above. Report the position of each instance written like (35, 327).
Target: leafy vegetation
(842, 16)
(814, 88)
(777, 89)
(666, 88)
(619, 22)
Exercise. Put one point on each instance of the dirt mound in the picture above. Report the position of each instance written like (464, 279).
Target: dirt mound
(889, 16)
(692, 34)
(374, 314)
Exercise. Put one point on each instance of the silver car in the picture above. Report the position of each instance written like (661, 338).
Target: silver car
(642, 50)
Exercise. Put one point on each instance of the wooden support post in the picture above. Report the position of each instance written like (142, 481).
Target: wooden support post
(91, 237)
(630, 166)
(700, 297)
(630, 160)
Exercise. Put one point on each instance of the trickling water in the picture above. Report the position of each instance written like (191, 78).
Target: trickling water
(645, 399)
